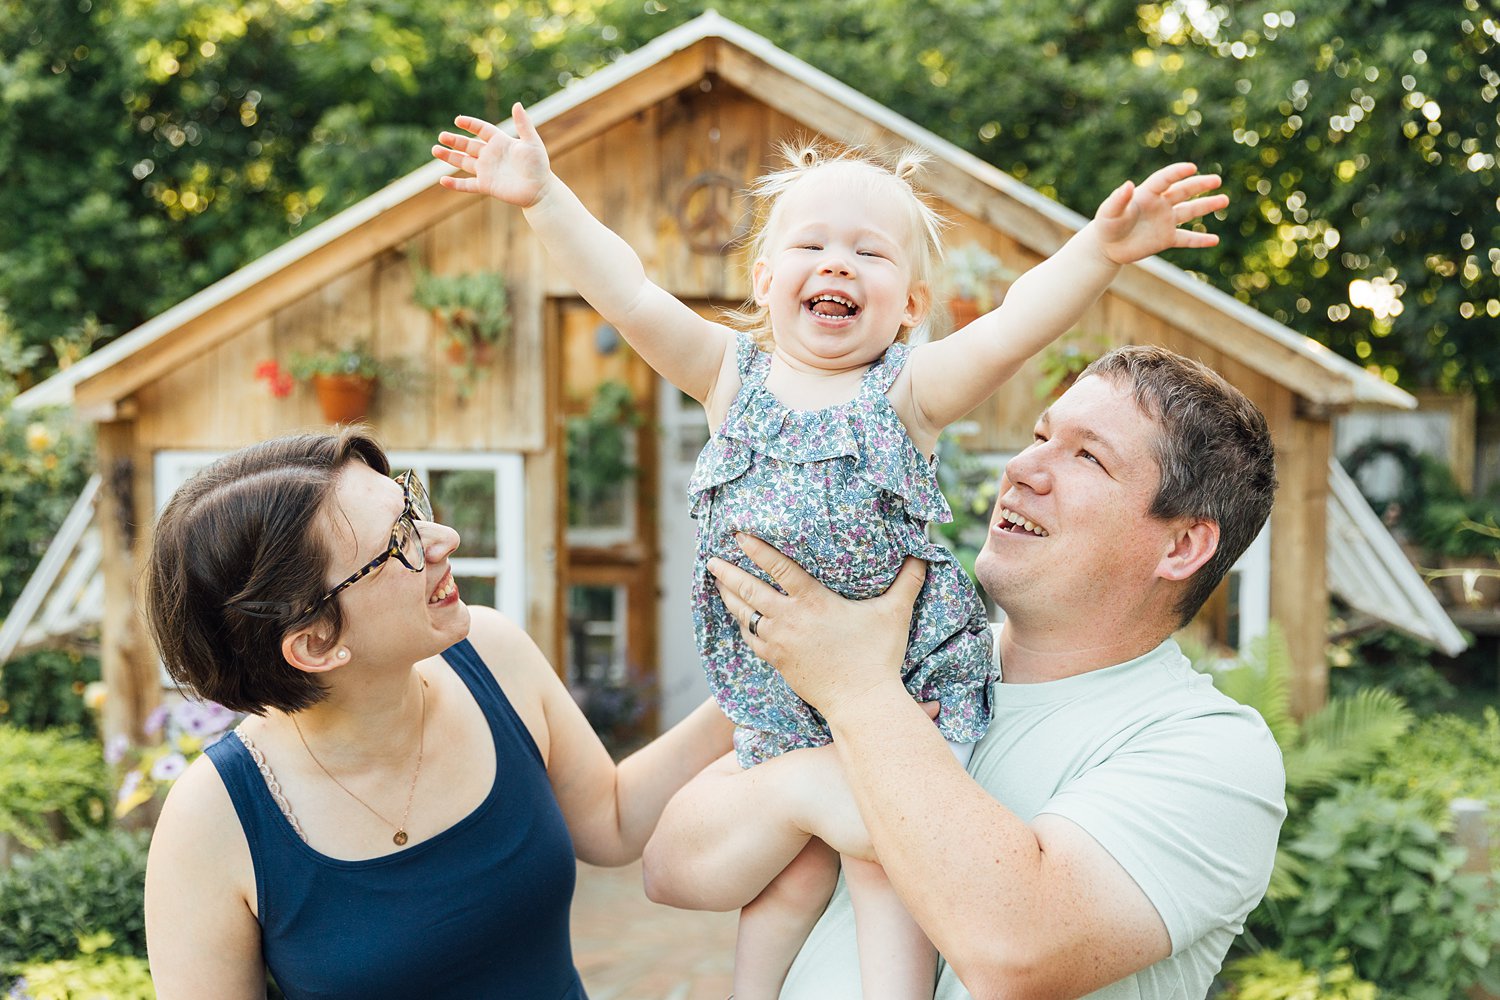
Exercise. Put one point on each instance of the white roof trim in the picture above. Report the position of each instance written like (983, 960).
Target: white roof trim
(58, 390)
(76, 601)
(1367, 568)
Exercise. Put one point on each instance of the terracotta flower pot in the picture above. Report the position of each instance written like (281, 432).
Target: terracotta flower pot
(963, 312)
(344, 399)
(476, 353)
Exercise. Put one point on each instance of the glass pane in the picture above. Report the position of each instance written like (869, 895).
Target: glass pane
(465, 501)
(595, 652)
(478, 590)
(692, 429)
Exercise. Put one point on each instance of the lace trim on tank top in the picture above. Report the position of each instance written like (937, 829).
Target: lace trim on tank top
(272, 785)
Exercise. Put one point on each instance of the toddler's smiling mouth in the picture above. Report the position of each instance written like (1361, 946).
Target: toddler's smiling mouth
(830, 306)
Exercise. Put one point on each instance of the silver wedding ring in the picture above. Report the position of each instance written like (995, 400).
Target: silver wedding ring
(755, 624)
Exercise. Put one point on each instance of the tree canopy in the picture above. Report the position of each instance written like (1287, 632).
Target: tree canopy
(150, 148)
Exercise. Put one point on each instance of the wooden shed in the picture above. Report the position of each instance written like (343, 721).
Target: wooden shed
(661, 146)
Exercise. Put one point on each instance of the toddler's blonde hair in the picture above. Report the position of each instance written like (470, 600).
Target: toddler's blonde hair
(804, 158)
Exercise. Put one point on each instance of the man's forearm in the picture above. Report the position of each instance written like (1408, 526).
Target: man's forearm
(968, 869)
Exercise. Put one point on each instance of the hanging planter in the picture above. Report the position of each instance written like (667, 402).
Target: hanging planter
(472, 313)
(344, 399)
(344, 380)
(968, 280)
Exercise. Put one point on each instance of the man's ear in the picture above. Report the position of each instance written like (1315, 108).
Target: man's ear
(1193, 545)
(760, 281)
(310, 650)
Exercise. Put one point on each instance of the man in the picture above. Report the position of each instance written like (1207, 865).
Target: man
(1119, 820)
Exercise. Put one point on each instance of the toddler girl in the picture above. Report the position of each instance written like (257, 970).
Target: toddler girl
(824, 421)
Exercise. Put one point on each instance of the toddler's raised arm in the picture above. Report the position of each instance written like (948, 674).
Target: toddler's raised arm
(682, 346)
(950, 377)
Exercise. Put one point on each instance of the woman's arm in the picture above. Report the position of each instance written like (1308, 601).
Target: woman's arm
(202, 938)
(683, 347)
(610, 810)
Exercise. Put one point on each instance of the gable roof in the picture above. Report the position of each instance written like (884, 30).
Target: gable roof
(708, 44)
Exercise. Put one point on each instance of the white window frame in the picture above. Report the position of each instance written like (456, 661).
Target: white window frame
(507, 566)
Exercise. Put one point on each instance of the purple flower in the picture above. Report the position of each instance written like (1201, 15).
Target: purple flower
(168, 768)
(202, 718)
(155, 720)
(18, 990)
(129, 785)
(114, 749)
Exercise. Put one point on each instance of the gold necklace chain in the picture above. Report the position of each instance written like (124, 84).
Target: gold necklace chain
(400, 838)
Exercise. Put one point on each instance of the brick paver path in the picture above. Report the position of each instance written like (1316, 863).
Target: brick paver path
(629, 948)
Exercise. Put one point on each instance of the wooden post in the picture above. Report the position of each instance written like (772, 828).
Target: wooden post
(1299, 574)
(127, 662)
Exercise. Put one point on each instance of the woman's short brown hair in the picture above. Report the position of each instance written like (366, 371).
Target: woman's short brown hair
(238, 559)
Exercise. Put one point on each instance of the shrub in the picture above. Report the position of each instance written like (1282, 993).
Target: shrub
(1391, 660)
(49, 779)
(86, 886)
(1379, 880)
(87, 976)
(43, 689)
(1269, 975)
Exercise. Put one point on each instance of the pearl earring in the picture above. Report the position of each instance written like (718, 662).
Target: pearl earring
(343, 654)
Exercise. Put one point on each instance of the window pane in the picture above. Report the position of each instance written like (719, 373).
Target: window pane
(465, 501)
(596, 635)
(478, 590)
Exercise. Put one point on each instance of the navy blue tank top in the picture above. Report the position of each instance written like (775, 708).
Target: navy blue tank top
(478, 911)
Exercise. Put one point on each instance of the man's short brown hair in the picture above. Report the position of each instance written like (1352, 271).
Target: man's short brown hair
(1212, 446)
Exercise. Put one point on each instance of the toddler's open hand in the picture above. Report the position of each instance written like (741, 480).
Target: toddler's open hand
(513, 170)
(1135, 222)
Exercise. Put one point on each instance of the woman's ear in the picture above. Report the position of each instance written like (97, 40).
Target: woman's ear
(310, 650)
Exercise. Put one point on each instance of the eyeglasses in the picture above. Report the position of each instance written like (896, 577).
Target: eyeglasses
(406, 542)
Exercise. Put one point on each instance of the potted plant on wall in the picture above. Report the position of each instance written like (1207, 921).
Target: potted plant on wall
(473, 312)
(1062, 363)
(345, 379)
(970, 273)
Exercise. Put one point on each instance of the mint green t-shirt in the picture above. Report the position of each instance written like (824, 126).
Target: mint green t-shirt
(1183, 786)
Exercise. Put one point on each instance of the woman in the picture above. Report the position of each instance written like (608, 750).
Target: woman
(399, 814)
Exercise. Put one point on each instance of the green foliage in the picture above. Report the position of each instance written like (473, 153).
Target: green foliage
(94, 884)
(598, 447)
(474, 307)
(47, 779)
(356, 359)
(86, 977)
(1269, 975)
(1380, 881)
(201, 135)
(1445, 758)
(44, 689)
(1391, 660)
(971, 272)
(45, 458)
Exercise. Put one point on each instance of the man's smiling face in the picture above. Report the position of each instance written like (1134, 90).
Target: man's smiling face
(1071, 535)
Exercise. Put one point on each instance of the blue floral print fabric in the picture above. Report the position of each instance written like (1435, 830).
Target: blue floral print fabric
(844, 492)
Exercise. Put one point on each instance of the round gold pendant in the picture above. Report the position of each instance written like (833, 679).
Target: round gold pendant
(400, 838)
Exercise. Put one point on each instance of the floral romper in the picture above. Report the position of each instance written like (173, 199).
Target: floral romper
(844, 492)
